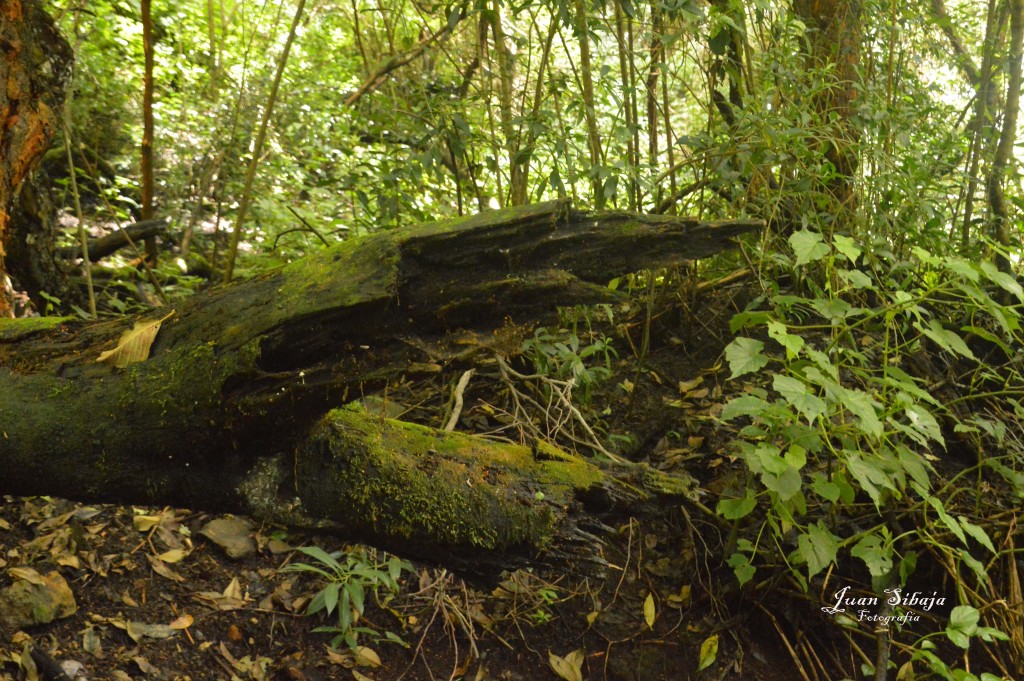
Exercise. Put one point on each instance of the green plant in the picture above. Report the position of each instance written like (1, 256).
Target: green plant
(565, 356)
(845, 420)
(350, 576)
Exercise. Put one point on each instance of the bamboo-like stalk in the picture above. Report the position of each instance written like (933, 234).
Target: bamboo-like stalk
(587, 80)
(83, 238)
(981, 127)
(1007, 136)
(261, 137)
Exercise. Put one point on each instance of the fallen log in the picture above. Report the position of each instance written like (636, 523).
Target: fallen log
(231, 407)
(123, 236)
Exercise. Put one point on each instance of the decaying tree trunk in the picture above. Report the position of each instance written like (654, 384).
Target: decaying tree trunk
(35, 66)
(232, 408)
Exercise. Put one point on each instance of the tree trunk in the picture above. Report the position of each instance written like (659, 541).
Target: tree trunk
(228, 411)
(35, 66)
(834, 33)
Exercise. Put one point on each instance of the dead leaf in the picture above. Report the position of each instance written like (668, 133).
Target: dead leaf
(29, 575)
(360, 677)
(688, 386)
(649, 611)
(162, 569)
(183, 622)
(366, 657)
(173, 556)
(134, 345)
(139, 630)
(91, 642)
(708, 652)
(145, 667)
(569, 667)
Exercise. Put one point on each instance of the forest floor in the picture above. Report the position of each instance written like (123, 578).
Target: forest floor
(156, 599)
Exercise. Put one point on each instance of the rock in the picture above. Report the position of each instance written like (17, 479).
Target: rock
(35, 599)
(231, 534)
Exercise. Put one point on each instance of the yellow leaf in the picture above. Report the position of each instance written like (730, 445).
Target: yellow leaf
(649, 611)
(360, 677)
(688, 386)
(145, 523)
(708, 652)
(592, 617)
(568, 667)
(172, 556)
(29, 575)
(135, 344)
(366, 657)
(183, 622)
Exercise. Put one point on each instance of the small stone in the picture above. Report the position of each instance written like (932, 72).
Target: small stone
(231, 534)
(25, 602)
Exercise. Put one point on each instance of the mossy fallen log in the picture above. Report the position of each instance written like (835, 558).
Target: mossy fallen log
(239, 379)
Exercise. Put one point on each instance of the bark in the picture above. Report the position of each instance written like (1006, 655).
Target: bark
(35, 66)
(34, 262)
(146, 160)
(228, 411)
(834, 33)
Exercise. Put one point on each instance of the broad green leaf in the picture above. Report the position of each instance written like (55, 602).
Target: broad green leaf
(708, 652)
(834, 309)
(777, 331)
(734, 509)
(923, 421)
(950, 341)
(817, 548)
(741, 567)
(962, 267)
(769, 458)
(786, 486)
(855, 278)
(977, 532)
(871, 476)
(916, 466)
(863, 407)
(748, 405)
(799, 395)
(796, 456)
(807, 246)
(951, 524)
(744, 356)
(1002, 279)
(847, 247)
(963, 623)
(875, 553)
(741, 320)
(825, 488)
(924, 256)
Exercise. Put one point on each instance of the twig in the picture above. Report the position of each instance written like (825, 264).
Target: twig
(460, 389)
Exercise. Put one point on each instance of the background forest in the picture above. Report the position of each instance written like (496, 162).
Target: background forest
(840, 392)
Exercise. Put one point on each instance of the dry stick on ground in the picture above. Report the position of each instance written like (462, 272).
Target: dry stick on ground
(460, 390)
